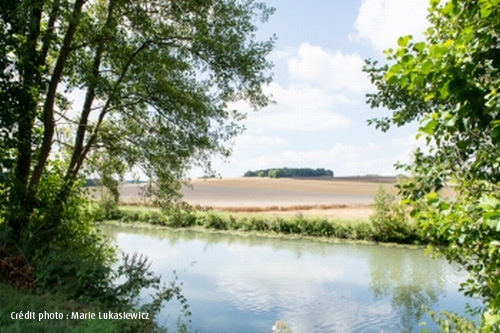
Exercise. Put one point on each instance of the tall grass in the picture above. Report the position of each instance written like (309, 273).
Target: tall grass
(356, 229)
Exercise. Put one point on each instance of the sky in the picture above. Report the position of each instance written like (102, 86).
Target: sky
(320, 116)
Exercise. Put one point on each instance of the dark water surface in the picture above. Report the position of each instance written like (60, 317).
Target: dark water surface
(245, 284)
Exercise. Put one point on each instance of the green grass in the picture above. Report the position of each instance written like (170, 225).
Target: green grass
(350, 229)
(14, 301)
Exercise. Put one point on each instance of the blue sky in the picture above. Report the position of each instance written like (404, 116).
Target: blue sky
(319, 119)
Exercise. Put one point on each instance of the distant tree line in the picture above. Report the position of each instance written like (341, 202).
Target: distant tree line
(290, 173)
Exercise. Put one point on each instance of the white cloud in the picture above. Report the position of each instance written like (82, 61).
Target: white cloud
(257, 281)
(382, 22)
(262, 284)
(336, 71)
(246, 141)
(344, 160)
(285, 53)
(300, 108)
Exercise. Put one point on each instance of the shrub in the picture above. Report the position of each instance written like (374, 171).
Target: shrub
(390, 220)
(215, 222)
(107, 209)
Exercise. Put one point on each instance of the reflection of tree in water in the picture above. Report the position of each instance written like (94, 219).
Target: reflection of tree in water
(409, 278)
(404, 277)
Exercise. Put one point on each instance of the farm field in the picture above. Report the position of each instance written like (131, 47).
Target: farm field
(329, 197)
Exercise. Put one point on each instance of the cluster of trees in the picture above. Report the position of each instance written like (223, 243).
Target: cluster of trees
(155, 80)
(450, 84)
(289, 173)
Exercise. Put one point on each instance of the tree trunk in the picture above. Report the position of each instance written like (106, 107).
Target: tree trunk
(26, 113)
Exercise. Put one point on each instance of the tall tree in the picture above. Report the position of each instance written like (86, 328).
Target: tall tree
(450, 84)
(156, 76)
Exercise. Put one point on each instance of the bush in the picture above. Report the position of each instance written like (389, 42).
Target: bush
(107, 209)
(71, 259)
(390, 220)
(390, 223)
(215, 222)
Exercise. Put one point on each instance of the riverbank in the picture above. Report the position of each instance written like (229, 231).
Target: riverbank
(356, 229)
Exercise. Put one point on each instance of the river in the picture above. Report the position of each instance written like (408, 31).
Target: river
(246, 283)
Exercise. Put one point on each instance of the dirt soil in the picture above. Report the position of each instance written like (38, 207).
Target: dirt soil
(325, 197)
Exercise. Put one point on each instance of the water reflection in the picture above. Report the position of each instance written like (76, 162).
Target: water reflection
(409, 280)
(245, 284)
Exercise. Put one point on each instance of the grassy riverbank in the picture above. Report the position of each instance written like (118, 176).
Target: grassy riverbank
(350, 229)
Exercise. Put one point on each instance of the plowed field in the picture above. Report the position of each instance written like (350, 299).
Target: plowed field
(342, 197)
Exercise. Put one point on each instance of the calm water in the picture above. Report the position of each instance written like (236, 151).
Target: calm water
(246, 284)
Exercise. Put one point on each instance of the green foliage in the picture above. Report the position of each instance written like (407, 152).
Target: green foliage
(471, 231)
(293, 225)
(290, 173)
(157, 78)
(13, 300)
(390, 220)
(275, 173)
(450, 84)
(72, 260)
(106, 209)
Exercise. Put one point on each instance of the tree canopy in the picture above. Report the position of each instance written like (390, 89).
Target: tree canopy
(450, 84)
(289, 172)
(156, 79)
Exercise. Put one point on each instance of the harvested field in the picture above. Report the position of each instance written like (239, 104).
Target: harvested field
(282, 192)
(346, 197)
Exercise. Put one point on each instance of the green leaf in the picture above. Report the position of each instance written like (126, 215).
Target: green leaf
(495, 132)
(429, 97)
(448, 8)
(419, 47)
(392, 73)
(488, 203)
(434, 3)
(485, 8)
(429, 126)
(443, 90)
(419, 82)
(432, 198)
(403, 41)
(407, 58)
(426, 67)
(490, 320)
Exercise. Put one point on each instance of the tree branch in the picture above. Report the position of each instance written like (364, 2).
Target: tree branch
(89, 96)
(73, 172)
(48, 108)
(49, 33)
